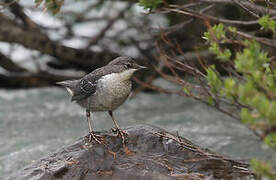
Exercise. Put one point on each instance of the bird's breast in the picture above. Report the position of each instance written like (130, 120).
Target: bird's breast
(112, 91)
(114, 85)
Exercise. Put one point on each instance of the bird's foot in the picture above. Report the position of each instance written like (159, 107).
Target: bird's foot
(93, 137)
(120, 132)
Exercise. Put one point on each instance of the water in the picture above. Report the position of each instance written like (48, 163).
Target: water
(34, 123)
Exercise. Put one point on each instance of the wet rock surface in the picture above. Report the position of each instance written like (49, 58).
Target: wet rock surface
(150, 153)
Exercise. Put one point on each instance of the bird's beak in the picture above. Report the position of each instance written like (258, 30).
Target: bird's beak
(138, 67)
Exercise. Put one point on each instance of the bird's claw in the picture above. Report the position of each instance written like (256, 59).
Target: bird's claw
(120, 132)
(92, 136)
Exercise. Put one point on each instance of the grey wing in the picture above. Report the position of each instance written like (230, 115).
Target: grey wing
(87, 85)
(84, 89)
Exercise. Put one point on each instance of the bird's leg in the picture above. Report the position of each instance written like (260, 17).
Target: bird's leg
(117, 129)
(92, 135)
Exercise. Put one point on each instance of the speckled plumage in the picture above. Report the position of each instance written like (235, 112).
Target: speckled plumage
(112, 91)
(105, 88)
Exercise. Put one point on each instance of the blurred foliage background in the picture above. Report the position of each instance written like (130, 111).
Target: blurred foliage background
(227, 47)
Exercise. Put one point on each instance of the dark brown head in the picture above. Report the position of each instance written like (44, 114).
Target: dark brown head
(126, 63)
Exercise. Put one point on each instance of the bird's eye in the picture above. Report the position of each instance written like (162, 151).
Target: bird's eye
(127, 66)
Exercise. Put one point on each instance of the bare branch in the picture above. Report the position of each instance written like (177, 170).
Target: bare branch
(107, 27)
(195, 14)
(9, 65)
(80, 58)
(30, 80)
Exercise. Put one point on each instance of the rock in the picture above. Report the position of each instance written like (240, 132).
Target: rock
(151, 153)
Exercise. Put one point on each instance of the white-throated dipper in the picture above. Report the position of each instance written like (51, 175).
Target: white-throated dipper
(104, 89)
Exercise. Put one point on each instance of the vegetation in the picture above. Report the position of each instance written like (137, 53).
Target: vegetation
(249, 84)
(252, 87)
(150, 4)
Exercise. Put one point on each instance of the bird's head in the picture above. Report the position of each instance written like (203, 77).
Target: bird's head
(127, 63)
(126, 66)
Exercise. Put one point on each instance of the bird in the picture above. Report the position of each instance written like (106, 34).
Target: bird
(104, 89)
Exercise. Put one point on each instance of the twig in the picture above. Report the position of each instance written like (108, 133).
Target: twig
(110, 23)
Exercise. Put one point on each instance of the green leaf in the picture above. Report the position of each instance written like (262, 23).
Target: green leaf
(210, 101)
(267, 23)
(214, 35)
(251, 59)
(272, 113)
(270, 140)
(51, 5)
(222, 55)
(232, 29)
(217, 31)
(206, 36)
(246, 116)
(150, 4)
(262, 169)
(187, 90)
(213, 80)
(229, 89)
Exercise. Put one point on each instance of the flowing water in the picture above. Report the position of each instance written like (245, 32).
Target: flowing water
(34, 123)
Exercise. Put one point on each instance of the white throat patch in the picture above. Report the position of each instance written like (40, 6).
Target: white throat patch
(119, 77)
(125, 75)
(70, 91)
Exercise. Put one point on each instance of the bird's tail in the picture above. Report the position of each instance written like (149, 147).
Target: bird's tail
(69, 85)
